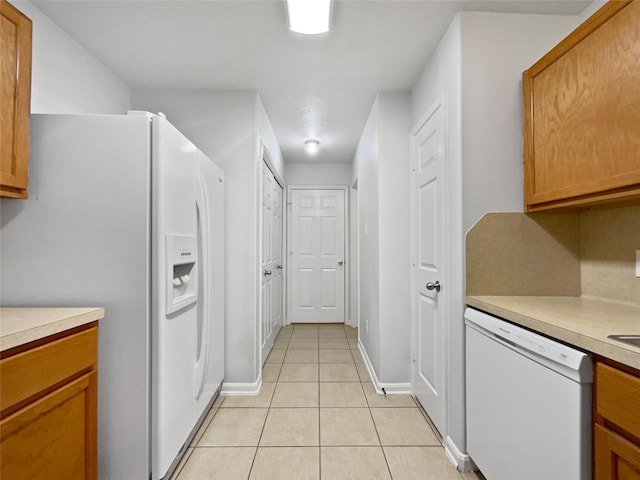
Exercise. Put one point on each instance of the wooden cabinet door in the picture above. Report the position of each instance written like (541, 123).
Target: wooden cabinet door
(54, 437)
(582, 114)
(48, 408)
(15, 100)
(616, 458)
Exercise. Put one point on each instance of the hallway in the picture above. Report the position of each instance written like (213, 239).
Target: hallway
(317, 416)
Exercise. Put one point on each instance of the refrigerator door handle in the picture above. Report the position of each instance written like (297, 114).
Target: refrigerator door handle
(204, 273)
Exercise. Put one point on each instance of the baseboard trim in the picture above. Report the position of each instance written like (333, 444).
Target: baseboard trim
(389, 388)
(242, 389)
(462, 461)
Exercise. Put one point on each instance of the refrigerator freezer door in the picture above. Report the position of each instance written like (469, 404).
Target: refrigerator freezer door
(204, 283)
(212, 178)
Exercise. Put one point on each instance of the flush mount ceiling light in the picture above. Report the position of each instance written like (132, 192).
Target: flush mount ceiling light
(309, 16)
(312, 146)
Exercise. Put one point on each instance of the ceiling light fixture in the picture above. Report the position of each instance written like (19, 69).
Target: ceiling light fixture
(309, 16)
(312, 146)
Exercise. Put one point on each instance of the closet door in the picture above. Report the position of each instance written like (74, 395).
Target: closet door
(271, 261)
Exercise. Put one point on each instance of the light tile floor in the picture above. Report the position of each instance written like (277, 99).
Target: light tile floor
(317, 417)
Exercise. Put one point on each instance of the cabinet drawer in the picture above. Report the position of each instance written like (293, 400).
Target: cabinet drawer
(618, 398)
(28, 373)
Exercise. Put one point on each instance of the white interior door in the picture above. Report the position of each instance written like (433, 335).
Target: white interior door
(316, 252)
(271, 264)
(428, 245)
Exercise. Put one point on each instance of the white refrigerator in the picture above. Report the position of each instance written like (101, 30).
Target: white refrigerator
(126, 213)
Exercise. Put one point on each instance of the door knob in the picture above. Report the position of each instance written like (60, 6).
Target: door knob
(340, 262)
(279, 267)
(434, 286)
(267, 272)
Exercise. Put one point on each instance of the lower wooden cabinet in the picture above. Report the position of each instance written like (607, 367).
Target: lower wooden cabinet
(617, 423)
(49, 409)
(615, 456)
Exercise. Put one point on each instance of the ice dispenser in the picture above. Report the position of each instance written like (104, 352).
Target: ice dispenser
(182, 261)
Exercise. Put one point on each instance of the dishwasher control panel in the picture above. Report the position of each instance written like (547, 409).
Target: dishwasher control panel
(530, 341)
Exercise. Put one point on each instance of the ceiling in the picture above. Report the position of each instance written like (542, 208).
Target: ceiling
(318, 86)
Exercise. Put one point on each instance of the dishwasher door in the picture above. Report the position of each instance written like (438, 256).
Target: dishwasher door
(528, 403)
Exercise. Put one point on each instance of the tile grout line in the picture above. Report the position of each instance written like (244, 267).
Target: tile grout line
(319, 416)
(433, 428)
(375, 426)
(192, 448)
(178, 471)
(255, 454)
(271, 407)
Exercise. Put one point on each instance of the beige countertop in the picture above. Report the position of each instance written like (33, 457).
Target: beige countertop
(581, 321)
(23, 325)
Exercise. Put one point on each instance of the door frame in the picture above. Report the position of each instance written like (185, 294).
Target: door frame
(354, 256)
(265, 159)
(444, 296)
(347, 252)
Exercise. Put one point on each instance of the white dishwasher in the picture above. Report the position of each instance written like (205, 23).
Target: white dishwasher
(528, 403)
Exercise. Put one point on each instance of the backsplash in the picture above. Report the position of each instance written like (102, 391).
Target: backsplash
(609, 239)
(584, 253)
(518, 254)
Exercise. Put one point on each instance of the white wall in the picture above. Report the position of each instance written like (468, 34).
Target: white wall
(478, 65)
(381, 167)
(496, 49)
(394, 239)
(365, 171)
(440, 74)
(268, 137)
(228, 127)
(353, 256)
(591, 9)
(65, 77)
(319, 173)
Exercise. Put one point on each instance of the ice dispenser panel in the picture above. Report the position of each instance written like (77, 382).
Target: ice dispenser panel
(182, 261)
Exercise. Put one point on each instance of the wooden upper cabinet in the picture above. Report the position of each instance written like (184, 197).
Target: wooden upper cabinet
(582, 115)
(15, 101)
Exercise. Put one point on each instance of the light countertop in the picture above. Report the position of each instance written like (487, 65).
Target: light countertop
(581, 321)
(23, 325)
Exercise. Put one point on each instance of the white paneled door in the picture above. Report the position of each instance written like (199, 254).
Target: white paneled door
(428, 268)
(271, 264)
(316, 253)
